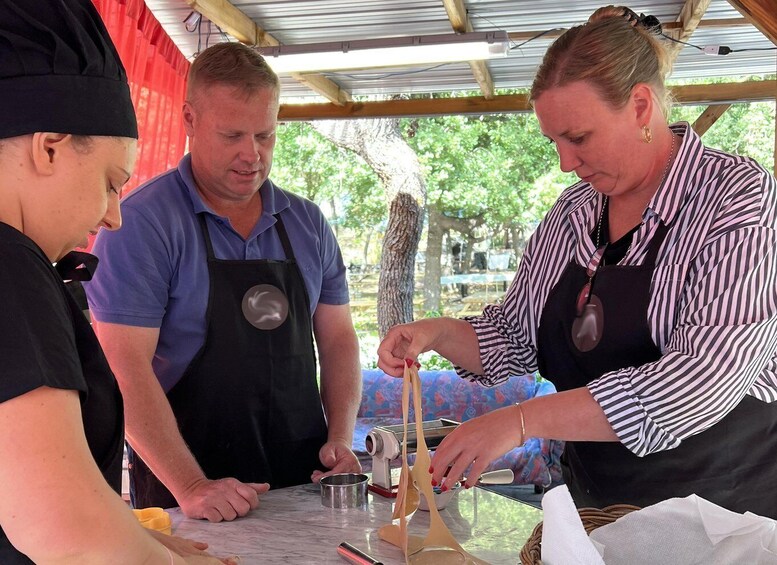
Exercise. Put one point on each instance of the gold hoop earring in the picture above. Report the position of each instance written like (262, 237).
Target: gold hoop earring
(647, 135)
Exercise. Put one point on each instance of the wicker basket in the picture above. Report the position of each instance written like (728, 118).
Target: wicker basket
(592, 518)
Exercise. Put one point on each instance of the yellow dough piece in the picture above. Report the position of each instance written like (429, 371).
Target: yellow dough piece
(439, 547)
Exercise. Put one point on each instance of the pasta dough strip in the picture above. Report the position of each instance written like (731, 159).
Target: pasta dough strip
(439, 546)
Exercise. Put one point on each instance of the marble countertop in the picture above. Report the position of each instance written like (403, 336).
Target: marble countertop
(292, 526)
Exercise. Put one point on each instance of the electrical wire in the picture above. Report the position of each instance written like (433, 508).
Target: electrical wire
(512, 44)
(547, 31)
(717, 49)
(753, 49)
(387, 75)
(670, 38)
(199, 37)
(223, 34)
(197, 28)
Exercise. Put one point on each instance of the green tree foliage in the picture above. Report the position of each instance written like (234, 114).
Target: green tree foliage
(307, 164)
(744, 129)
(498, 166)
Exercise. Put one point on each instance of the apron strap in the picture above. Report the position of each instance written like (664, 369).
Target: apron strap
(281, 229)
(206, 235)
(284, 237)
(655, 245)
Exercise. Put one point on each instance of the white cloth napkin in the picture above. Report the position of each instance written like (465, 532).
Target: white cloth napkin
(564, 541)
(680, 531)
(688, 530)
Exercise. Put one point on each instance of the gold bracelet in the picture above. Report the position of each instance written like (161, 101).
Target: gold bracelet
(523, 424)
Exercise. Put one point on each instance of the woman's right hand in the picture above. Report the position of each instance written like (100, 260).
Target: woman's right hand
(407, 341)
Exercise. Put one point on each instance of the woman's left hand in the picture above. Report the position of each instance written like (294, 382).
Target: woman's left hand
(476, 442)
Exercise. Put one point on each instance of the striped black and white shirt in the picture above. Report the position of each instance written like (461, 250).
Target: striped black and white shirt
(713, 305)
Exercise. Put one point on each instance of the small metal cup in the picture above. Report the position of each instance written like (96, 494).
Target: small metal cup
(344, 490)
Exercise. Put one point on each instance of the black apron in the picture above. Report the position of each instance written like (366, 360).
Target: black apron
(102, 407)
(248, 405)
(730, 464)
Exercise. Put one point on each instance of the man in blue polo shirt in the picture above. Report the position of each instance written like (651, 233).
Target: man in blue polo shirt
(206, 304)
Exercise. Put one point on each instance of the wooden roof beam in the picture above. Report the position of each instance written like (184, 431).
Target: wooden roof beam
(460, 23)
(751, 91)
(689, 94)
(761, 13)
(234, 22)
(689, 18)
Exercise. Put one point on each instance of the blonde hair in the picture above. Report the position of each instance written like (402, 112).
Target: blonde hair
(231, 64)
(612, 52)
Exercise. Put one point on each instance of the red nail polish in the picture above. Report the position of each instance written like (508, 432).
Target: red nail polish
(417, 365)
(443, 488)
(409, 363)
(431, 470)
(434, 483)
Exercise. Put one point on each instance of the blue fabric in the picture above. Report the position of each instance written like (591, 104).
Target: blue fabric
(446, 395)
(153, 271)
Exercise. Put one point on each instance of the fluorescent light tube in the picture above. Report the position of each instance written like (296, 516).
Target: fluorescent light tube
(388, 52)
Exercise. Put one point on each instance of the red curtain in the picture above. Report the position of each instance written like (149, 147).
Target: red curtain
(157, 75)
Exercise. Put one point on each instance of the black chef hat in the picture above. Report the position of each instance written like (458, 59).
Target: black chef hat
(60, 72)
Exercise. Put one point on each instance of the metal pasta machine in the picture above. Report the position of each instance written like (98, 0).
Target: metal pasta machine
(384, 444)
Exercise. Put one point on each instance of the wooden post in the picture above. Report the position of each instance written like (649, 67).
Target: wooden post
(709, 117)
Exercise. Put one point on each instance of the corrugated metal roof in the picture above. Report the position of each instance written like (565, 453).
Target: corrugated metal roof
(313, 21)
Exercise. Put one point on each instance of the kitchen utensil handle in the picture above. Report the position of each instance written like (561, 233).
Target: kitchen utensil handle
(498, 477)
(353, 555)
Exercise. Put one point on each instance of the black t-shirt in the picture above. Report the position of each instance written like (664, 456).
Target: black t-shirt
(616, 250)
(44, 343)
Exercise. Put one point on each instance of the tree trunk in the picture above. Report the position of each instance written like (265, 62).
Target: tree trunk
(519, 241)
(434, 237)
(366, 250)
(397, 283)
(439, 225)
(380, 143)
(335, 217)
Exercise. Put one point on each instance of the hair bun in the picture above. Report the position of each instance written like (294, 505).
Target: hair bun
(649, 23)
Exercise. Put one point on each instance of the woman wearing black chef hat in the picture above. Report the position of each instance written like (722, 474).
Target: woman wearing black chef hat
(67, 145)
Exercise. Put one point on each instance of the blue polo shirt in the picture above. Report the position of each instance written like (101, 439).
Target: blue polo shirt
(153, 272)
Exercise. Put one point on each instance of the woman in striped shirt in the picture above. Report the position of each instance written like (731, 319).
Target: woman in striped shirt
(647, 295)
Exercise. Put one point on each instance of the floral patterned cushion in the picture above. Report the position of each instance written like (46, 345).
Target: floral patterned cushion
(446, 395)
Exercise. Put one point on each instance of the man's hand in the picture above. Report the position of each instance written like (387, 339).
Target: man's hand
(338, 458)
(222, 499)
